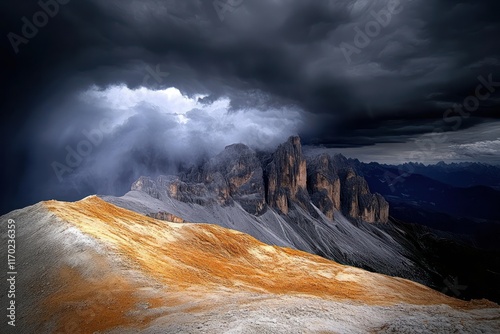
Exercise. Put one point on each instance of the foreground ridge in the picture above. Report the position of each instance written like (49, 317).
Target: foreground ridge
(108, 268)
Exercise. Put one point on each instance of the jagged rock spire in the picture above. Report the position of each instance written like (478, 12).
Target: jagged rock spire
(237, 175)
(286, 175)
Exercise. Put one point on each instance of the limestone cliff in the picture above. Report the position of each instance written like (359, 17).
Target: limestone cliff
(358, 202)
(324, 184)
(239, 175)
(334, 185)
(233, 175)
(286, 175)
(278, 180)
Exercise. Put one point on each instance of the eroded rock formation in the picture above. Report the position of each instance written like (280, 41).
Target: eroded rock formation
(286, 175)
(358, 202)
(324, 184)
(279, 180)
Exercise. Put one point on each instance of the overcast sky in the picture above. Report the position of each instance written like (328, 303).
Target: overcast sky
(161, 84)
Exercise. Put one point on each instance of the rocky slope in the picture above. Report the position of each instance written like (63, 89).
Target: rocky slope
(90, 266)
(318, 205)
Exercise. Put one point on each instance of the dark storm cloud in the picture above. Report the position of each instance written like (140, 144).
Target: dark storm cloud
(427, 53)
(258, 53)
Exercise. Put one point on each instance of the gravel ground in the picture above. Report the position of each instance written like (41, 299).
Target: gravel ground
(296, 314)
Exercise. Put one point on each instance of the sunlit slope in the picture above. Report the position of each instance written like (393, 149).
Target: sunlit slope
(90, 266)
(208, 256)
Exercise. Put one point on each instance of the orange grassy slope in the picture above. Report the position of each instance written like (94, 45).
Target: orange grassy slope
(184, 256)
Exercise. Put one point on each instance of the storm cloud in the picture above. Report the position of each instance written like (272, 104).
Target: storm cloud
(343, 74)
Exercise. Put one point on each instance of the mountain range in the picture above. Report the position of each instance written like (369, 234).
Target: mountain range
(322, 204)
(253, 241)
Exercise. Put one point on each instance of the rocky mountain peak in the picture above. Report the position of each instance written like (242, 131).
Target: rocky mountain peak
(286, 175)
(241, 176)
(237, 148)
(358, 202)
(279, 180)
(324, 184)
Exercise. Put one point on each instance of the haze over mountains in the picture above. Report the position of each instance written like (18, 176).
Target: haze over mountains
(464, 174)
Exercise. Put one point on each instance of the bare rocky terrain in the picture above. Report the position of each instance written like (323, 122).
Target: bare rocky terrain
(92, 267)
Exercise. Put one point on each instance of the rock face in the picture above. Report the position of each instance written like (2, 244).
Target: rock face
(286, 176)
(280, 181)
(237, 174)
(324, 184)
(317, 204)
(165, 187)
(233, 175)
(334, 185)
(358, 202)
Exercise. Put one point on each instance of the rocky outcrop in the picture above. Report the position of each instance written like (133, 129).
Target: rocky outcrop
(323, 184)
(357, 201)
(233, 175)
(237, 174)
(162, 215)
(334, 185)
(286, 176)
(278, 180)
(164, 187)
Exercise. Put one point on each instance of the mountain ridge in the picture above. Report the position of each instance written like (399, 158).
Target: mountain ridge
(114, 270)
(278, 179)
